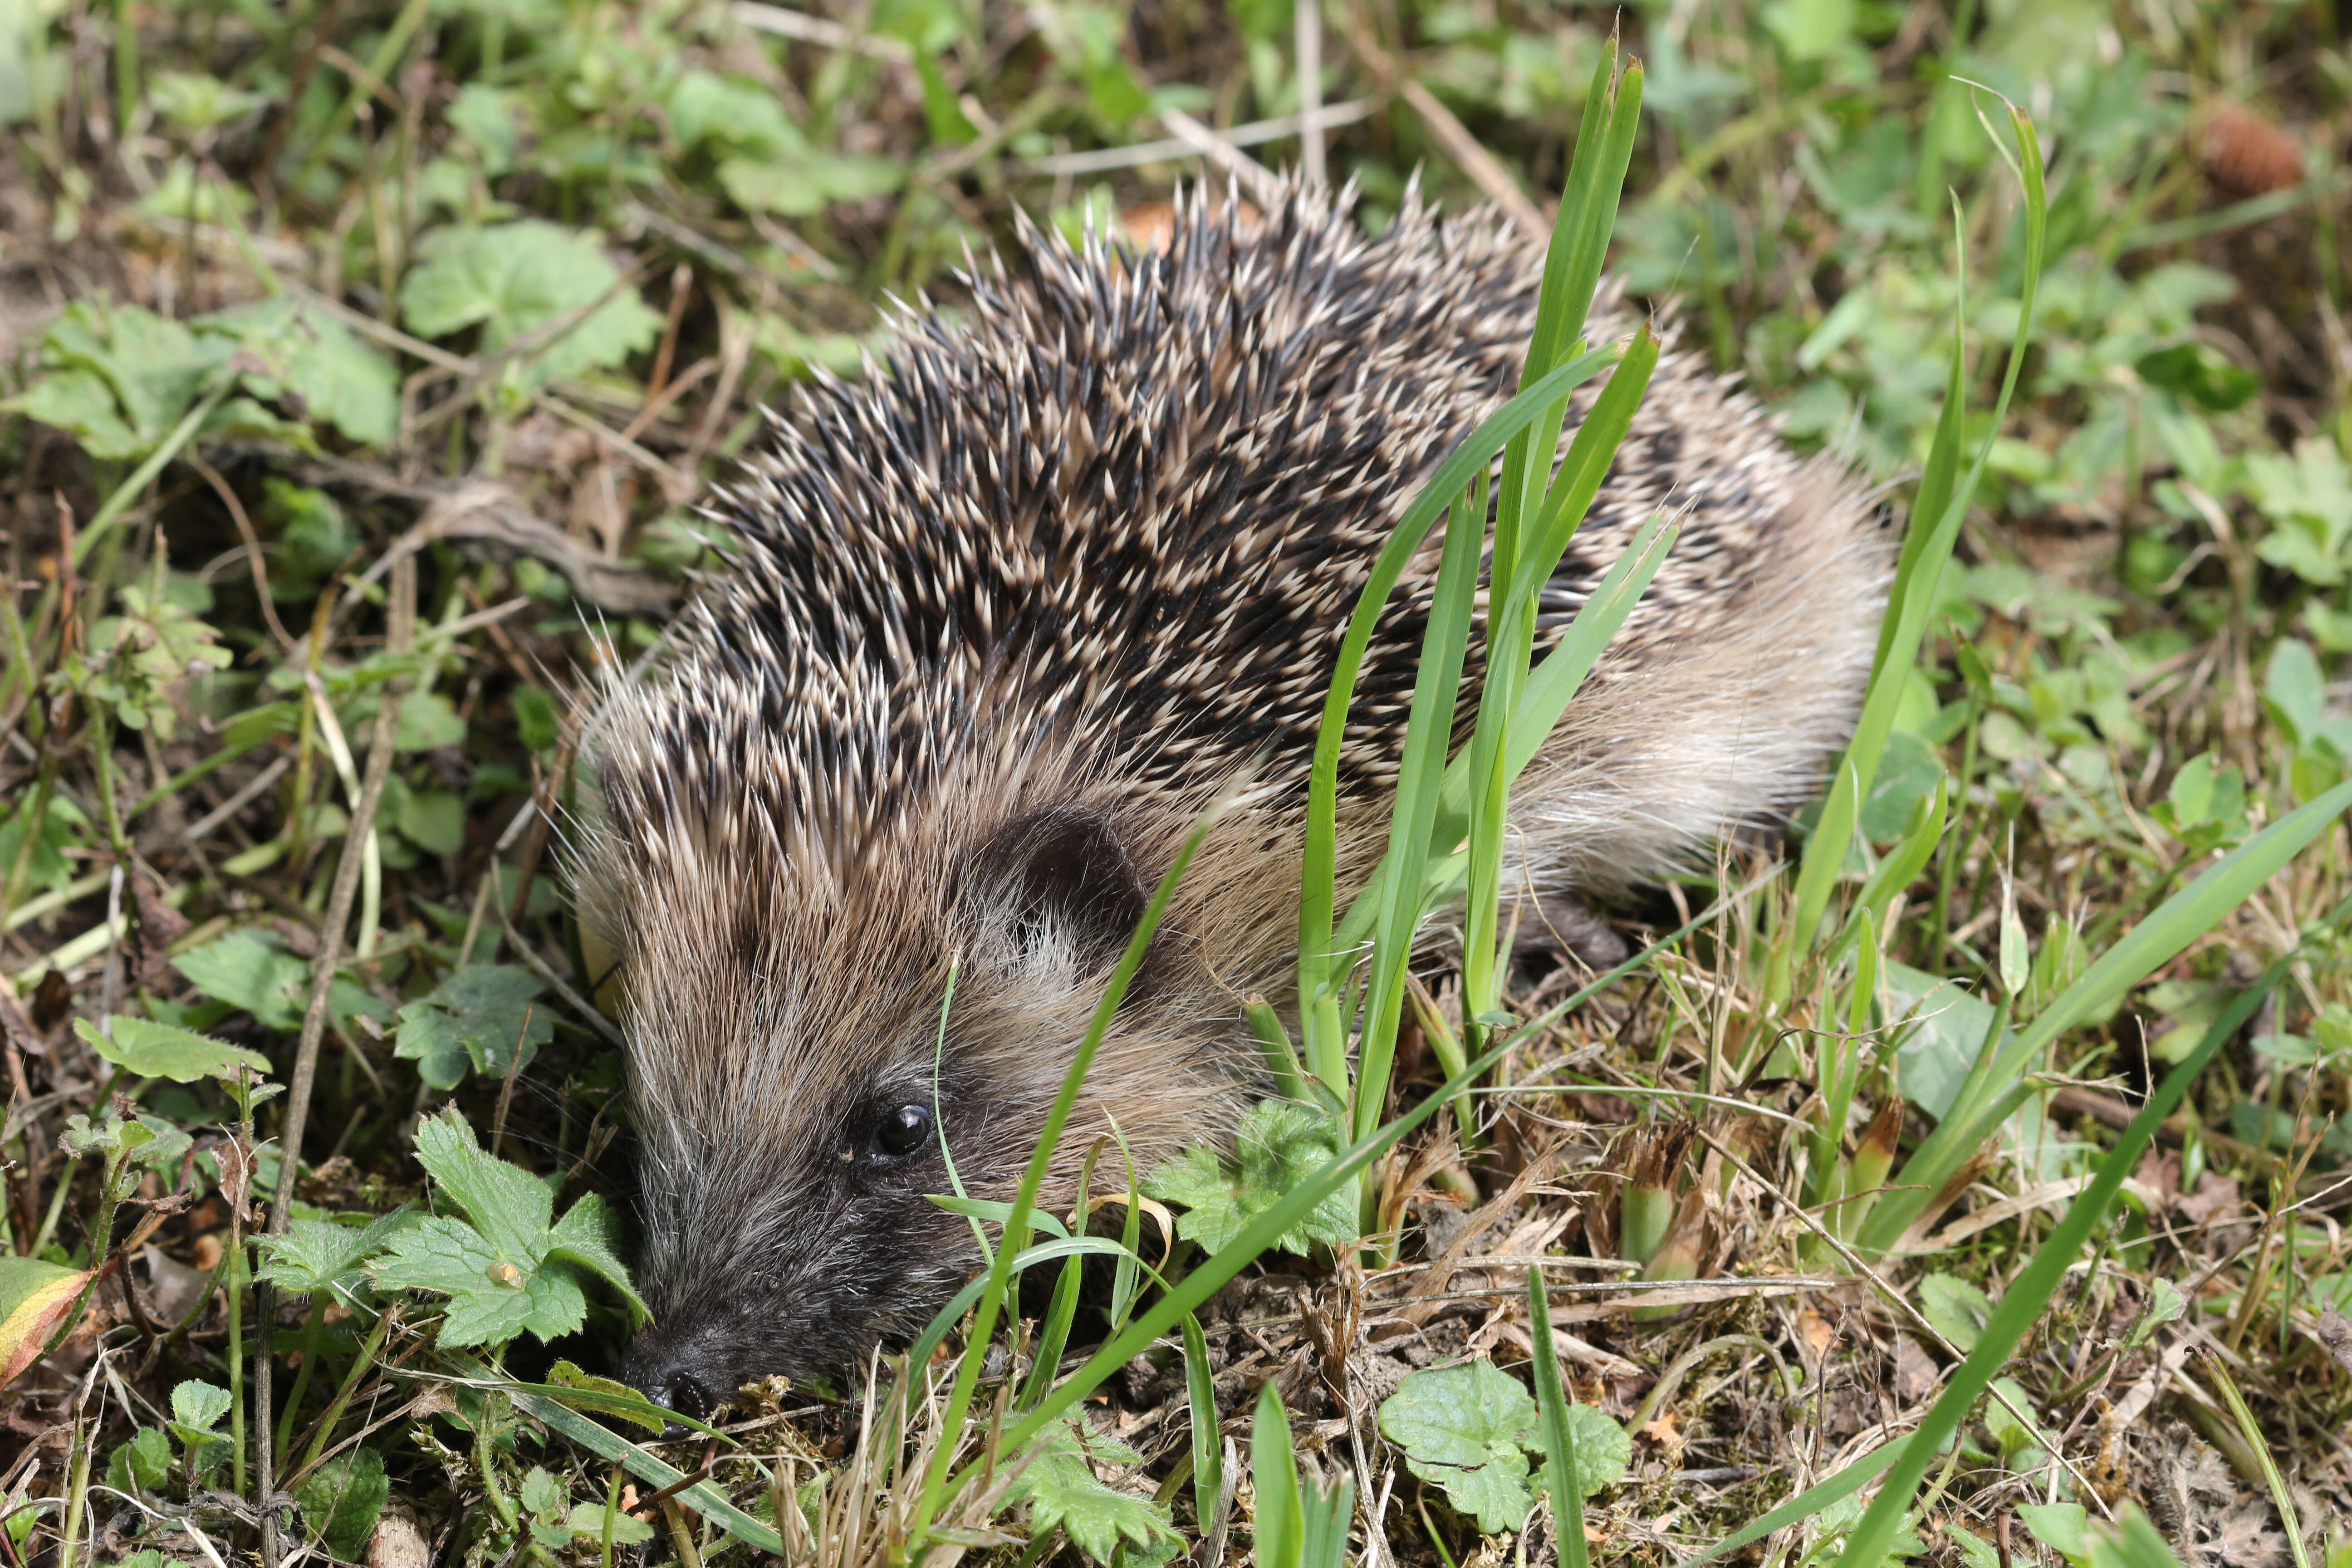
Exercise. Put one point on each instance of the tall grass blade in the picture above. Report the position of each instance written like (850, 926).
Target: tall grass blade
(1281, 1529)
(1210, 1273)
(1015, 1236)
(1935, 515)
(2021, 1304)
(1549, 692)
(1201, 1387)
(1560, 1459)
(1320, 847)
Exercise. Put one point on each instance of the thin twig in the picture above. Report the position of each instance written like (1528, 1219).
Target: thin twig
(1465, 149)
(400, 635)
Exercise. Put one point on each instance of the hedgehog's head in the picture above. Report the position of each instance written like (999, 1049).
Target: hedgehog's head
(801, 1077)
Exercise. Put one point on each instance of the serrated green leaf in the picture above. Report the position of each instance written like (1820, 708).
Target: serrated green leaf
(490, 1297)
(342, 1501)
(197, 1406)
(150, 1049)
(141, 1464)
(542, 1494)
(589, 1236)
(319, 1255)
(1278, 1144)
(1060, 1486)
(478, 1018)
(507, 1203)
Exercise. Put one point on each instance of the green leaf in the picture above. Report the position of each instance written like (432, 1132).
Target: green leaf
(1955, 1307)
(320, 1254)
(512, 280)
(806, 184)
(481, 1016)
(2131, 1542)
(542, 1494)
(1274, 1476)
(2063, 1527)
(197, 1406)
(141, 1464)
(492, 1296)
(587, 1521)
(1059, 1485)
(1468, 1428)
(148, 1049)
(342, 1501)
(251, 969)
(590, 1235)
(1278, 1144)
(432, 819)
(506, 1272)
(508, 1205)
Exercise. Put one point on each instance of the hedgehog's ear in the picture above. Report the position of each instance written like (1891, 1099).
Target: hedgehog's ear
(1061, 870)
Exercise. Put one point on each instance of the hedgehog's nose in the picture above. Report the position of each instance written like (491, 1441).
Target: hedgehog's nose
(677, 1389)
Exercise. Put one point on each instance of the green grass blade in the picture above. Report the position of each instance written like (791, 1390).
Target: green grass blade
(1549, 690)
(2177, 922)
(1421, 778)
(1321, 850)
(1015, 1236)
(1560, 1459)
(2021, 1304)
(1210, 1275)
(1208, 1458)
(1810, 1502)
(1281, 1532)
(1913, 597)
(1054, 1332)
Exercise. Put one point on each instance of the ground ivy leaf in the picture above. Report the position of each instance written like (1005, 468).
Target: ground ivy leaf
(512, 280)
(479, 1016)
(1604, 1450)
(1278, 1144)
(1956, 1308)
(1059, 1485)
(1468, 1428)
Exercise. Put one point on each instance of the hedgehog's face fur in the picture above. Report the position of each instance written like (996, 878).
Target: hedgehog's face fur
(793, 1085)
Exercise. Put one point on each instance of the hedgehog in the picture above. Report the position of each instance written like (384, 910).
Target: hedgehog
(1000, 620)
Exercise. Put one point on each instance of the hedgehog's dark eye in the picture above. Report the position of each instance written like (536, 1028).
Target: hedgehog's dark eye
(901, 1131)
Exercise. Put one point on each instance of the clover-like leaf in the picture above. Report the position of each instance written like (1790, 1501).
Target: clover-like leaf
(1278, 1144)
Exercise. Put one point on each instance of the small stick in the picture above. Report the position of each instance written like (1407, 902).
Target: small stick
(401, 633)
(1452, 135)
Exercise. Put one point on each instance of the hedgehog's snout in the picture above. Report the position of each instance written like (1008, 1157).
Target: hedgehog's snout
(679, 1375)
